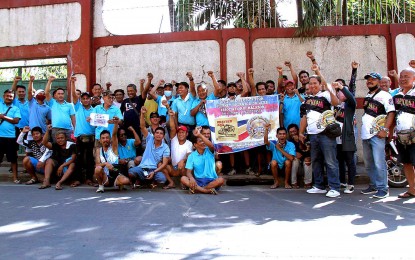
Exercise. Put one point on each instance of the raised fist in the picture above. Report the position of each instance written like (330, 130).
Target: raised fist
(279, 69)
(251, 71)
(412, 63)
(310, 54)
(31, 78)
(287, 63)
(73, 78)
(142, 81)
(17, 78)
(150, 75)
(314, 67)
(51, 78)
(355, 64)
(210, 73)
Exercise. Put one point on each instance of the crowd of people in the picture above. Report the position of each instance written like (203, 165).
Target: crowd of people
(161, 131)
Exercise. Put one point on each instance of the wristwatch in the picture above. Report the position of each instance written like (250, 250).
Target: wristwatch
(386, 130)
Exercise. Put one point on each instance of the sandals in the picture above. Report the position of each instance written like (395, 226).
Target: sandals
(275, 186)
(44, 187)
(406, 195)
(295, 186)
(58, 187)
(31, 181)
(213, 191)
(17, 182)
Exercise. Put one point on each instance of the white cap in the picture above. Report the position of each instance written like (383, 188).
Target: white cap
(38, 91)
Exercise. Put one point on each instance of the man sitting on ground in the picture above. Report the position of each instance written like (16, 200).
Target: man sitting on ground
(200, 166)
(62, 161)
(127, 148)
(155, 157)
(36, 162)
(106, 160)
(283, 153)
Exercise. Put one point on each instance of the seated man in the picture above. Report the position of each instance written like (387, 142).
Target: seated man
(180, 150)
(36, 162)
(62, 161)
(106, 160)
(218, 164)
(155, 123)
(200, 166)
(155, 157)
(127, 148)
(302, 156)
(283, 153)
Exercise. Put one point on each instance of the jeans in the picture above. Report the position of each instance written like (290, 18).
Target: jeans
(375, 163)
(139, 172)
(323, 150)
(346, 158)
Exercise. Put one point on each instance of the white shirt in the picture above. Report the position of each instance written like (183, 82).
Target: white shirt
(179, 151)
(314, 119)
(405, 120)
(367, 120)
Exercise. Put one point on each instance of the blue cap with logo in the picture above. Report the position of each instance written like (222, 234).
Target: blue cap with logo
(374, 75)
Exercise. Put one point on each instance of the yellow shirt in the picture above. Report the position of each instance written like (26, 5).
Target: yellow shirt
(151, 106)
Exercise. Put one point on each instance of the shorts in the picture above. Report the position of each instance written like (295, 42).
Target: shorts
(406, 153)
(34, 162)
(202, 182)
(57, 164)
(138, 172)
(5, 144)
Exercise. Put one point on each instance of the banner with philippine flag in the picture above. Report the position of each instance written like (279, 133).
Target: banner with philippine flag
(239, 124)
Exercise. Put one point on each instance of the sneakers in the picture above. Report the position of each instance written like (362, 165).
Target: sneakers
(100, 189)
(343, 185)
(249, 171)
(332, 193)
(232, 172)
(314, 190)
(349, 189)
(381, 194)
(369, 190)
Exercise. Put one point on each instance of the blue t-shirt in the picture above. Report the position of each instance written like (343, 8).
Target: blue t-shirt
(201, 116)
(291, 110)
(61, 114)
(183, 108)
(393, 92)
(162, 110)
(152, 155)
(278, 156)
(38, 114)
(24, 112)
(6, 128)
(203, 165)
(82, 126)
(128, 151)
(112, 111)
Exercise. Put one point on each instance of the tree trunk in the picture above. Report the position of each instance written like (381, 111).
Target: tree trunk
(344, 12)
(275, 22)
(300, 19)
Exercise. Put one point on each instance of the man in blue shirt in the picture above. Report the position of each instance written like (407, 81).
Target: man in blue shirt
(127, 148)
(199, 105)
(182, 105)
(85, 137)
(200, 167)
(63, 113)
(21, 102)
(39, 113)
(162, 99)
(283, 153)
(107, 108)
(9, 117)
(155, 157)
(290, 105)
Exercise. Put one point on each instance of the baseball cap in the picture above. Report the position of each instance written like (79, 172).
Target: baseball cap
(37, 92)
(182, 127)
(85, 94)
(231, 84)
(168, 85)
(289, 81)
(154, 114)
(107, 92)
(374, 75)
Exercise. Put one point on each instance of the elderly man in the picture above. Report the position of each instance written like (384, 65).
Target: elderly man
(405, 116)
(9, 117)
(375, 129)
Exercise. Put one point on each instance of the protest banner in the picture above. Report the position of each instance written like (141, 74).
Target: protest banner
(239, 124)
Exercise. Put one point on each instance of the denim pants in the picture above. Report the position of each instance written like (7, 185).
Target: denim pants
(323, 152)
(375, 163)
(139, 173)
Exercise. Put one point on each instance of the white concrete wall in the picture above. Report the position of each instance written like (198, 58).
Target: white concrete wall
(235, 58)
(40, 24)
(168, 61)
(333, 54)
(99, 28)
(405, 50)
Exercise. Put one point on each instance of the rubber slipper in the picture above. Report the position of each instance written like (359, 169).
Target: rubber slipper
(31, 181)
(406, 195)
(275, 186)
(168, 187)
(44, 187)
(17, 181)
(58, 187)
(213, 191)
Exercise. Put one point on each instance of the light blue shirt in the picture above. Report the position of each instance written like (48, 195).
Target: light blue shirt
(82, 126)
(183, 108)
(161, 109)
(128, 151)
(278, 156)
(203, 165)
(112, 112)
(24, 112)
(6, 128)
(152, 155)
(291, 110)
(201, 117)
(61, 114)
(38, 114)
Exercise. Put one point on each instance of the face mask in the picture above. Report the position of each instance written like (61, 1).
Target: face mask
(40, 97)
(167, 93)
